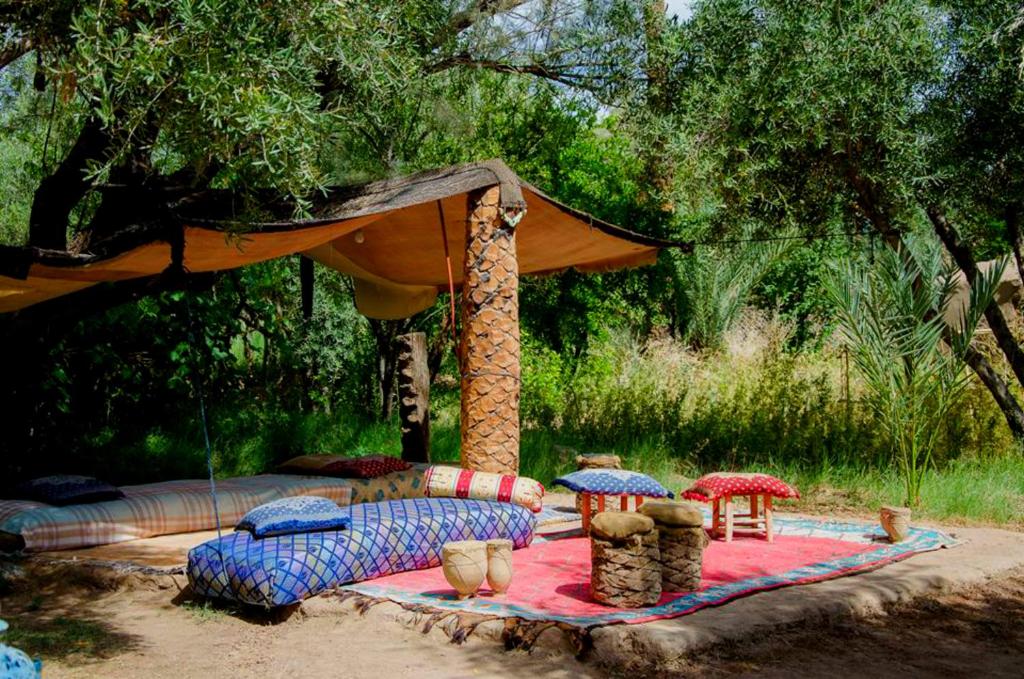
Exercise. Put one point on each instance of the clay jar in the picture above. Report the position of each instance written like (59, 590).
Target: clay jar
(896, 522)
(499, 565)
(465, 565)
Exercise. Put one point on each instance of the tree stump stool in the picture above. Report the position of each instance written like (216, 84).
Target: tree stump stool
(595, 461)
(681, 542)
(624, 560)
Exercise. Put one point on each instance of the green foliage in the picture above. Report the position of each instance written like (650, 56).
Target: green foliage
(886, 316)
(713, 285)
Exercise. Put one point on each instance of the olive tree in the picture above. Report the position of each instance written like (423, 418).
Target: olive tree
(886, 117)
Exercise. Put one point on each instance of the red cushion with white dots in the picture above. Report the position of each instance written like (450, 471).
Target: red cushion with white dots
(719, 484)
(365, 467)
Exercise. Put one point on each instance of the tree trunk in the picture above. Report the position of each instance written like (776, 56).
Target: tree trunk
(490, 340)
(961, 254)
(658, 163)
(306, 286)
(414, 396)
(441, 343)
(1012, 411)
(1014, 236)
(872, 202)
(58, 194)
(384, 333)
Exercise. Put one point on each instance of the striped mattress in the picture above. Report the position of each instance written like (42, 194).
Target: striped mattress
(154, 509)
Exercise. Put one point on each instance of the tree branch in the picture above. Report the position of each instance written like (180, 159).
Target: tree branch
(13, 49)
(961, 254)
(58, 194)
(482, 9)
(1013, 233)
(560, 74)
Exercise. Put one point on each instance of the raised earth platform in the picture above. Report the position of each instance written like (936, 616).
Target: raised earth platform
(666, 644)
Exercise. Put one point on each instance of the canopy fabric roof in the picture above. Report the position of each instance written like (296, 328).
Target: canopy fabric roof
(387, 235)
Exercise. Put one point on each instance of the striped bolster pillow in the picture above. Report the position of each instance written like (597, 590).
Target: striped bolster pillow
(465, 483)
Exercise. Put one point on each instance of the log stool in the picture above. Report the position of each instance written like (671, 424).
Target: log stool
(595, 461)
(624, 560)
(681, 542)
(720, 488)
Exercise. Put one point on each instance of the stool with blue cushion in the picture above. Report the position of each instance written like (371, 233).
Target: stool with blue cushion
(601, 483)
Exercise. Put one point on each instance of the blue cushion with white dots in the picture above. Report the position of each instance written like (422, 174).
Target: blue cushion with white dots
(612, 482)
(289, 515)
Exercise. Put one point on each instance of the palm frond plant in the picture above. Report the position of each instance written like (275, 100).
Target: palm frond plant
(713, 284)
(890, 316)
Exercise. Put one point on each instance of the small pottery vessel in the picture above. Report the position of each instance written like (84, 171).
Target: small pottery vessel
(499, 565)
(465, 565)
(896, 522)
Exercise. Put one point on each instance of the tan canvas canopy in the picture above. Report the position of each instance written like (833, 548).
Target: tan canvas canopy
(387, 235)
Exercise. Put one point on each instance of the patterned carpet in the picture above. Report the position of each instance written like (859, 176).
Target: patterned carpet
(552, 576)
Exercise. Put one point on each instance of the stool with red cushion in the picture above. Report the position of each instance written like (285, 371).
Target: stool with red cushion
(721, 487)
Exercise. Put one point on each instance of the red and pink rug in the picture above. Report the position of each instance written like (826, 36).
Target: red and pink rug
(552, 576)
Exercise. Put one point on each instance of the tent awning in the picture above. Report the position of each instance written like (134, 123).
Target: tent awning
(387, 235)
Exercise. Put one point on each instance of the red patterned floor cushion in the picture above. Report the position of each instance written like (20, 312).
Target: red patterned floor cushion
(365, 467)
(719, 484)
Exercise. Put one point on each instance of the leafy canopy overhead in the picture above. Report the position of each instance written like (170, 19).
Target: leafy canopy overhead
(282, 96)
(861, 112)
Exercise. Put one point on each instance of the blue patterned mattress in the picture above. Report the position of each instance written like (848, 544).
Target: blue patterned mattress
(385, 538)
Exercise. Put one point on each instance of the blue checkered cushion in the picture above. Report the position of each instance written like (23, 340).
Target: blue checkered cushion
(384, 538)
(612, 482)
(294, 515)
(67, 489)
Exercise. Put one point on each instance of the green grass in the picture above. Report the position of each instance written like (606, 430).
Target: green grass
(978, 490)
(207, 611)
(667, 412)
(988, 491)
(65, 638)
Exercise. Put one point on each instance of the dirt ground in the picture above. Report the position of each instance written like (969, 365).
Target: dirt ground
(87, 623)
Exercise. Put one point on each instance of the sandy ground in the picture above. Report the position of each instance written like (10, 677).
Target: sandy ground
(87, 624)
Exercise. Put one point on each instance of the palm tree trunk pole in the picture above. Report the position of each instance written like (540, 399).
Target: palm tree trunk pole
(489, 349)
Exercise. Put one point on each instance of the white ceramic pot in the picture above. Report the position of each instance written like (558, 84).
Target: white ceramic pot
(465, 565)
(499, 565)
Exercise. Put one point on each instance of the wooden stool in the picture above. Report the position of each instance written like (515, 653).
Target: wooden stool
(586, 508)
(594, 461)
(758, 520)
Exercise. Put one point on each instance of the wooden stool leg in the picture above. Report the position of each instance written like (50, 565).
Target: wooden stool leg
(753, 507)
(600, 503)
(586, 513)
(716, 513)
(768, 528)
(637, 501)
(728, 518)
(624, 503)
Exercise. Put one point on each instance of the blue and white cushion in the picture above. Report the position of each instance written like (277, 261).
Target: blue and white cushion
(67, 489)
(612, 482)
(14, 664)
(304, 514)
